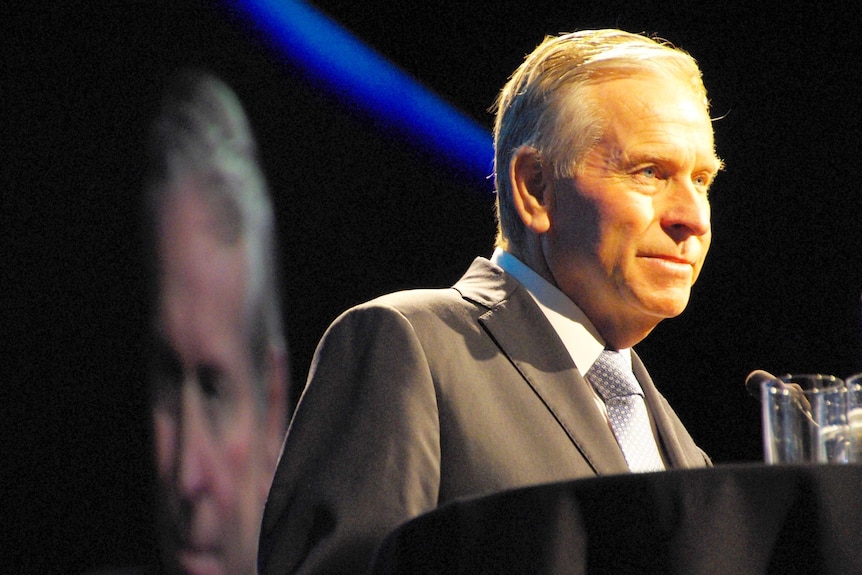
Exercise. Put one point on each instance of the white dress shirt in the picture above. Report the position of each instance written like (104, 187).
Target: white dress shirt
(579, 335)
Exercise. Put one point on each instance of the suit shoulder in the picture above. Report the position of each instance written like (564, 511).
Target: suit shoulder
(428, 314)
(415, 303)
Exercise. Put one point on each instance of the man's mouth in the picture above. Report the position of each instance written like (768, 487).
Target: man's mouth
(669, 263)
(199, 560)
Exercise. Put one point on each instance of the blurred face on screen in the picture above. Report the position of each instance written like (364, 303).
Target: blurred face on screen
(214, 468)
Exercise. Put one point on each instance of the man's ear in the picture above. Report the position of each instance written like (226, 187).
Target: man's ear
(531, 189)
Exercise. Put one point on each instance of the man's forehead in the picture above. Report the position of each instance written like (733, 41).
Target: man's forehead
(195, 201)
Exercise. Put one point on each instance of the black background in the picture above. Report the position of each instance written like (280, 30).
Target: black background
(362, 212)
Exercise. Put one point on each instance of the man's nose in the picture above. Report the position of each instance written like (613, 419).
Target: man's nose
(686, 211)
(195, 449)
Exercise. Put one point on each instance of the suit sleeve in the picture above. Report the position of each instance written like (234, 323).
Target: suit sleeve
(362, 454)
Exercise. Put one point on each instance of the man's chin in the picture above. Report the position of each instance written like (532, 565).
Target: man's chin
(668, 303)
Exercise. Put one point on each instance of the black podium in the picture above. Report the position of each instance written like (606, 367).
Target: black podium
(735, 520)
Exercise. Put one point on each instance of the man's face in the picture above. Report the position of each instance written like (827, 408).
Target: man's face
(629, 233)
(211, 454)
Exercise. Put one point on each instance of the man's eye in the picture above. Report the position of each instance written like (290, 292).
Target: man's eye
(649, 172)
(210, 382)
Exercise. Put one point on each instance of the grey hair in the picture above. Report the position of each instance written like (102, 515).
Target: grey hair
(202, 133)
(544, 105)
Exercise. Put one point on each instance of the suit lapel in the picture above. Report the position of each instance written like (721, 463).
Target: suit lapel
(528, 340)
(664, 424)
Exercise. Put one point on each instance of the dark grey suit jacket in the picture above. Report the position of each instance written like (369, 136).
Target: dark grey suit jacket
(421, 397)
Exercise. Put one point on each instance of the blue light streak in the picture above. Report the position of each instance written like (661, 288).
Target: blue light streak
(350, 69)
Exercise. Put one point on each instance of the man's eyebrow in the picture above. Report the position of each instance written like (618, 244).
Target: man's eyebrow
(628, 159)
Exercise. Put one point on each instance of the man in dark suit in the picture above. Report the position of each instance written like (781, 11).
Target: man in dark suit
(604, 156)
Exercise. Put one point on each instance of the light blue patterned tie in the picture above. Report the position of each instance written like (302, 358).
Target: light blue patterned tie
(616, 384)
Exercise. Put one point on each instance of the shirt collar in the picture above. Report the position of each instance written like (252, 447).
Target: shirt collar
(579, 335)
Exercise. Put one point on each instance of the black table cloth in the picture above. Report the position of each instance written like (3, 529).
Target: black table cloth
(736, 519)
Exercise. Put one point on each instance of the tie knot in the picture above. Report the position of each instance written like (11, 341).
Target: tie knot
(612, 377)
